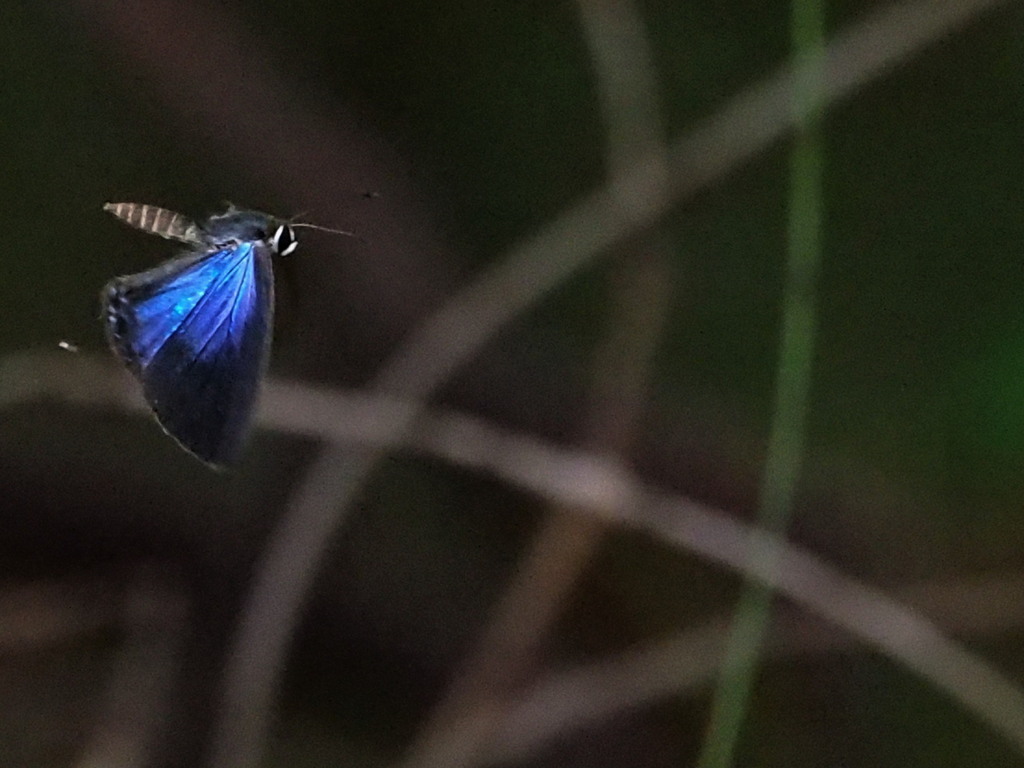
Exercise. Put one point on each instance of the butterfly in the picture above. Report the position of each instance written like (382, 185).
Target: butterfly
(196, 330)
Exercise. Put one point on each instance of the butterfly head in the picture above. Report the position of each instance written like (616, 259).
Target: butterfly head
(236, 226)
(283, 241)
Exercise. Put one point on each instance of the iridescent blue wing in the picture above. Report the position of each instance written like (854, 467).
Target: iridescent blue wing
(196, 332)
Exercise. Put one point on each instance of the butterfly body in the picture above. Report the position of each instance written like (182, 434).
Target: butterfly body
(156, 221)
(196, 330)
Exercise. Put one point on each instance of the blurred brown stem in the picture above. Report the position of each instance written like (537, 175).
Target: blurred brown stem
(461, 727)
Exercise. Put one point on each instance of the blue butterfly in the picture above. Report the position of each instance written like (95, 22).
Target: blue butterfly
(196, 330)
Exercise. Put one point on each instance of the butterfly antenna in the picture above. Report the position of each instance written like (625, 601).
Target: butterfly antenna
(304, 225)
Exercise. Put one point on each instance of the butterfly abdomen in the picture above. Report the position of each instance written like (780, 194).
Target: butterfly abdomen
(156, 221)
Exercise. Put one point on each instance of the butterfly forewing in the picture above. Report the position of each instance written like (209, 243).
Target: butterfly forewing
(143, 310)
(196, 332)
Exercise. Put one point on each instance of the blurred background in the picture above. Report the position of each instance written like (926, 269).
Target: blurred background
(606, 239)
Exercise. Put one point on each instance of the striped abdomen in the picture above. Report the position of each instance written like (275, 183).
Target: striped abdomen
(157, 221)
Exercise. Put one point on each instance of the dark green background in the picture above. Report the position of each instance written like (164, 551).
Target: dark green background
(915, 451)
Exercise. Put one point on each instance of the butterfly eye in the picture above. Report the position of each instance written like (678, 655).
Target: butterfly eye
(283, 242)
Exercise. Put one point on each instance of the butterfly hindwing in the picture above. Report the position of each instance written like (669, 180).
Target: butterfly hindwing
(196, 332)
